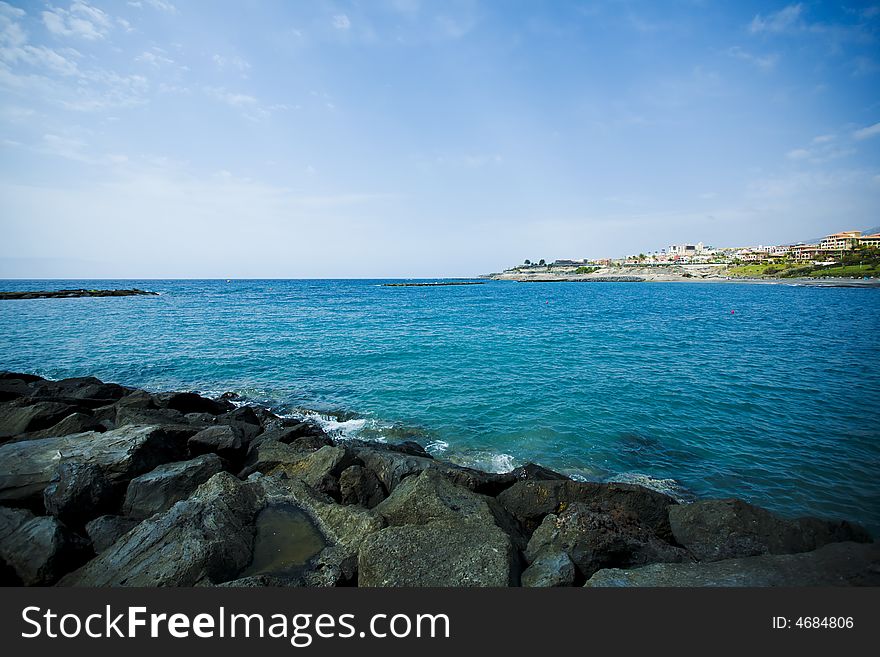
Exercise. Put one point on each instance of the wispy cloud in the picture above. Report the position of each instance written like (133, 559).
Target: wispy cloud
(781, 21)
(233, 63)
(80, 20)
(764, 62)
(867, 133)
(341, 22)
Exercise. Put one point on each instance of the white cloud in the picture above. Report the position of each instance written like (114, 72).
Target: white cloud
(8, 10)
(798, 154)
(80, 20)
(161, 5)
(154, 59)
(764, 62)
(823, 139)
(233, 63)
(341, 22)
(867, 133)
(780, 21)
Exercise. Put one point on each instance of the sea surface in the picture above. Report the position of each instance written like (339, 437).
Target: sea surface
(766, 392)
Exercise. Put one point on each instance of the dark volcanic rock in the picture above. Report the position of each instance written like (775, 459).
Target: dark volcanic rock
(442, 553)
(136, 416)
(26, 468)
(319, 469)
(595, 540)
(530, 501)
(159, 489)
(222, 439)
(533, 472)
(712, 530)
(360, 486)
(85, 389)
(79, 491)
(549, 569)
(104, 531)
(12, 388)
(269, 454)
(22, 416)
(41, 549)
(190, 402)
(837, 564)
(202, 540)
(304, 435)
(73, 423)
(19, 376)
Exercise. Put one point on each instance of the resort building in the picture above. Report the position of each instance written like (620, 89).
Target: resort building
(686, 249)
(871, 241)
(841, 241)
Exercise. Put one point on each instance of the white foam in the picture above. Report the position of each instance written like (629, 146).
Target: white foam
(667, 486)
(437, 446)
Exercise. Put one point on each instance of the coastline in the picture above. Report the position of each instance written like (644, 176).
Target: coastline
(104, 485)
(646, 275)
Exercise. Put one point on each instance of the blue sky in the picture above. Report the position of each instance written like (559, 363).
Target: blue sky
(412, 138)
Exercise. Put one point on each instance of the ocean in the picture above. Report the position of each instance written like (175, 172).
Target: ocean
(766, 392)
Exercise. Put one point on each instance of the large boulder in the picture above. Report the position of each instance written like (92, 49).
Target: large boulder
(205, 539)
(224, 440)
(441, 553)
(73, 423)
(104, 531)
(78, 491)
(837, 564)
(269, 454)
(712, 530)
(550, 569)
(85, 391)
(595, 540)
(40, 549)
(135, 415)
(159, 489)
(190, 402)
(360, 486)
(27, 468)
(320, 469)
(530, 501)
(23, 416)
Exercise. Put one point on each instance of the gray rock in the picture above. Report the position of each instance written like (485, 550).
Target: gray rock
(442, 553)
(134, 415)
(712, 530)
(595, 540)
(190, 402)
(223, 440)
(201, 540)
(530, 501)
(23, 416)
(104, 531)
(319, 469)
(358, 485)
(549, 569)
(12, 519)
(159, 489)
(41, 549)
(77, 492)
(27, 468)
(73, 423)
(837, 564)
(269, 454)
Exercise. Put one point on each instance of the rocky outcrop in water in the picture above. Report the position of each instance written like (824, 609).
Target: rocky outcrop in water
(70, 294)
(103, 485)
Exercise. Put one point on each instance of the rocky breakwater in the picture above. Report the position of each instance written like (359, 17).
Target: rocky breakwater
(104, 485)
(72, 294)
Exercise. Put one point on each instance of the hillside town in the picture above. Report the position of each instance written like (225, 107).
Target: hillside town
(829, 248)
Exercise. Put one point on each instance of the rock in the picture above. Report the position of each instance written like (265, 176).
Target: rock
(27, 468)
(360, 486)
(319, 469)
(595, 540)
(190, 402)
(205, 539)
(429, 497)
(549, 569)
(200, 418)
(86, 389)
(836, 564)
(223, 440)
(712, 530)
(5, 375)
(269, 454)
(73, 423)
(11, 388)
(245, 414)
(159, 489)
(79, 491)
(12, 519)
(306, 434)
(530, 501)
(41, 549)
(104, 531)
(136, 416)
(533, 472)
(22, 416)
(442, 553)
(137, 399)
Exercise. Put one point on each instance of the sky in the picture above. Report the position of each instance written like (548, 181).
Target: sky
(411, 138)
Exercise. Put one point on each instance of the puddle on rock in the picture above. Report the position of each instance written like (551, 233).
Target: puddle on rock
(287, 539)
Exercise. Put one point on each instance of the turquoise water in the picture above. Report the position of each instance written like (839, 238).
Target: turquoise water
(765, 392)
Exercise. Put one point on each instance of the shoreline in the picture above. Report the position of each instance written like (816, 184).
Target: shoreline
(104, 485)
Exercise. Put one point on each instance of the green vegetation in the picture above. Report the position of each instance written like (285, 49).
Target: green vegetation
(855, 263)
(585, 270)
